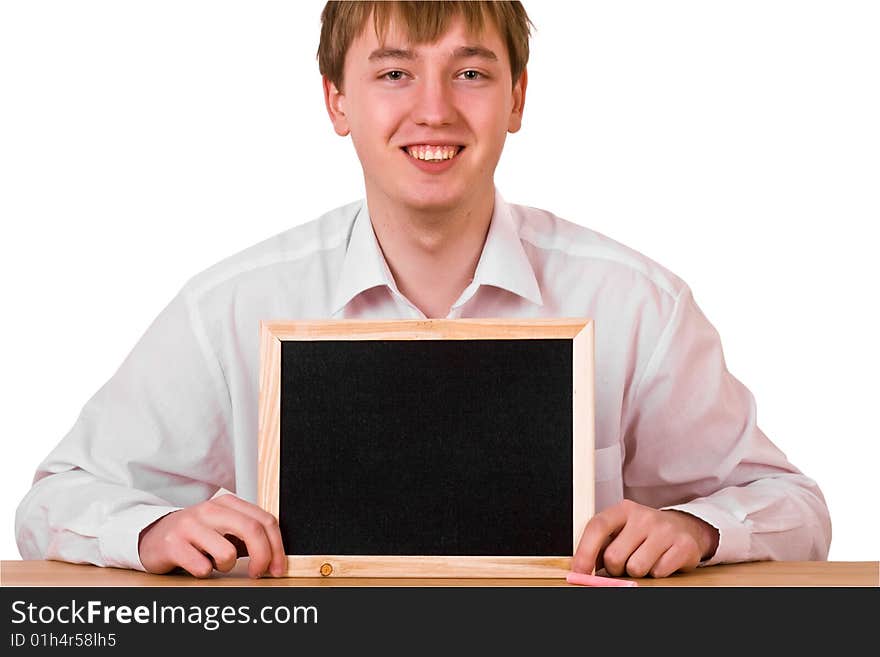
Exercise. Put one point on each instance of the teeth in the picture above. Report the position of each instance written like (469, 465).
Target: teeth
(431, 153)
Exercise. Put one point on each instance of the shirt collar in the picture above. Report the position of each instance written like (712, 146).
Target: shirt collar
(364, 266)
(503, 262)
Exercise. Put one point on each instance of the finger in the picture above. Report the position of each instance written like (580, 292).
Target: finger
(643, 558)
(599, 531)
(278, 559)
(679, 556)
(193, 560)
(217, 548)
(278, 566)
(622, 547)
(226, 520)
(240, 547)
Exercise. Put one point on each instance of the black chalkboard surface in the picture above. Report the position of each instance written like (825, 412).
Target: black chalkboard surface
(426, 441)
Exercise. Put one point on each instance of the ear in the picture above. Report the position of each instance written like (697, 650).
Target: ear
(334, 100)
(519, 101)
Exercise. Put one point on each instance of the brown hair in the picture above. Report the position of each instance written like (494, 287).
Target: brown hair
(342, 21)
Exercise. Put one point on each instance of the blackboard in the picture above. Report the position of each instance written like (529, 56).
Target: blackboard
(429, 447)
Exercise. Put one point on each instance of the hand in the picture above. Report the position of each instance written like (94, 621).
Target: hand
(213, 534)
(636, 540)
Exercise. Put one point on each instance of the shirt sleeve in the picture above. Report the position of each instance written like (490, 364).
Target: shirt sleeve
(152, 440)
(693, 444)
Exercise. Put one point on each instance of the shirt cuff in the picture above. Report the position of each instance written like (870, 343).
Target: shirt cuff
(733, 537)
(118, 538)
(221, 491)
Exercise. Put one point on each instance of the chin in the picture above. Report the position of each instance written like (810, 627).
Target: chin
(433, 204)
(437, 200)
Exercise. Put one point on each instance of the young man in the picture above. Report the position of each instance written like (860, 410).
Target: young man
(427, 92)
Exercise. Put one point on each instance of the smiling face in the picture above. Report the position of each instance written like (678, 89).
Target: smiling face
(428, 121)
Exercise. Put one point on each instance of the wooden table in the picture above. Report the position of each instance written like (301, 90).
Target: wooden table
(765, 573)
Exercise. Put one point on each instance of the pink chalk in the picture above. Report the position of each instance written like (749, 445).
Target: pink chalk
(595, 580)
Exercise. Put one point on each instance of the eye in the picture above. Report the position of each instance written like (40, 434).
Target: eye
(471, 74)
(394, 76)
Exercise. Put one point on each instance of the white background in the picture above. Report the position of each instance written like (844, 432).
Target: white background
(736, 143)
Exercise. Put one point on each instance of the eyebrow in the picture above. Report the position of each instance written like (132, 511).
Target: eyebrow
(462, 52)
(391, 53)
(474, 51)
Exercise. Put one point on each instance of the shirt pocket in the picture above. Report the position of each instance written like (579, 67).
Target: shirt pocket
(608, 480)
(607, 463)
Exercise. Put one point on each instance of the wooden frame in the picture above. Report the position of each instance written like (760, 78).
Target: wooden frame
(579, 330)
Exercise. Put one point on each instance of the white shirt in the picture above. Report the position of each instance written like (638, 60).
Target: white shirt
(177, 423)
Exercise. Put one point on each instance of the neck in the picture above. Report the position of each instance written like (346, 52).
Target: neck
(432, 254)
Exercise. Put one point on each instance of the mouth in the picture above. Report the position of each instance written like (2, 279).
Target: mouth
(433, 152)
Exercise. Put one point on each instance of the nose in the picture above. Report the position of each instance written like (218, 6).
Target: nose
(434, 102)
